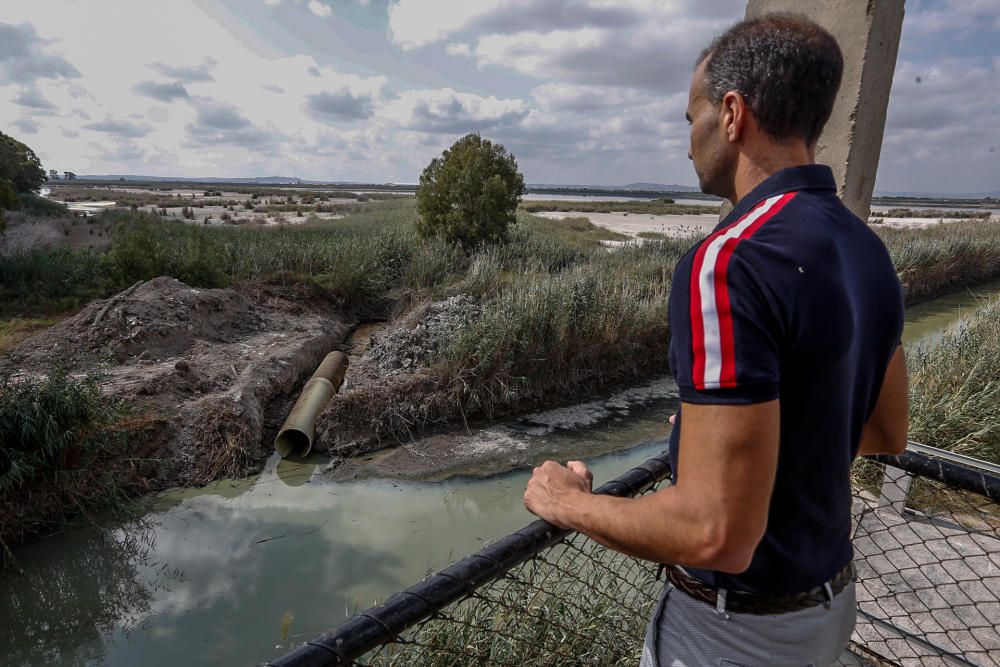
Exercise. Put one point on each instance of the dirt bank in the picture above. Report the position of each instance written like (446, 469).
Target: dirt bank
(391, 388)
(622, 419)
(200, 366)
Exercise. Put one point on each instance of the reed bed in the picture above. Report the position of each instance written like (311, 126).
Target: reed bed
(62, 452)
(955, 387)
(943, 258)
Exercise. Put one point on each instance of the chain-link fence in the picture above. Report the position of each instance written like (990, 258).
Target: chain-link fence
(927, 553)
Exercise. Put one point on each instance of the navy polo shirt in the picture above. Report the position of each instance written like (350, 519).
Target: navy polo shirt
(791, 297)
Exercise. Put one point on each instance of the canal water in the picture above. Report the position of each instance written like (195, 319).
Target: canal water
(207, 576)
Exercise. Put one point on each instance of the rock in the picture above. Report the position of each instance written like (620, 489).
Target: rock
(182, 366)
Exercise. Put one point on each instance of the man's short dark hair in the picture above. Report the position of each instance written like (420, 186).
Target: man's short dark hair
(786, 67)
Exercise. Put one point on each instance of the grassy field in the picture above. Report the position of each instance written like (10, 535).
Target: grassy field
(943, 258)
(931, 213)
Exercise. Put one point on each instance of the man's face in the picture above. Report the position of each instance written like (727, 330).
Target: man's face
(713, 156)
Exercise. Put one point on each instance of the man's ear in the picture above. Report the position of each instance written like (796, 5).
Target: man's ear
(734, 116)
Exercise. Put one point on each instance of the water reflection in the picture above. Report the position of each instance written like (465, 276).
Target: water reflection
(926, 322)
(209, 577)
(62, 607)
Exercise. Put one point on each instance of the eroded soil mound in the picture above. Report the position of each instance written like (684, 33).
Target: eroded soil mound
(391, 390)
(199, 366)
(153, 320)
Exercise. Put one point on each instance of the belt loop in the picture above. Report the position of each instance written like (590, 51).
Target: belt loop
(720, 603)
(828, 594)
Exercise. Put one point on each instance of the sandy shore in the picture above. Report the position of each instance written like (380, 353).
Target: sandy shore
(675, 226)
(634, 224)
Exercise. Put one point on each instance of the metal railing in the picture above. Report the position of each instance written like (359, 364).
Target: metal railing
(927, 552)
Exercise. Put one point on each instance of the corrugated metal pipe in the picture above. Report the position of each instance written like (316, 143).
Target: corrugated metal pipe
(297, 433)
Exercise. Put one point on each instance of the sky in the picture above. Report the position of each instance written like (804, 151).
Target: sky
(580, 91)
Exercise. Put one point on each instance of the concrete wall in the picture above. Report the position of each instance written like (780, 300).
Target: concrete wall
(868, 33)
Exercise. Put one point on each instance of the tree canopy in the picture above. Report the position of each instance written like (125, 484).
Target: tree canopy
(470, 194)
(20, 168)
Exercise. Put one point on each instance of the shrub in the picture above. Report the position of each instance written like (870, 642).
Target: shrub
(470, 194)
(57, 436)
(32, 204)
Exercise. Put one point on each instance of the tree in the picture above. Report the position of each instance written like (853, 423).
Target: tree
(19, 166)
(20, 171)
(470, 194)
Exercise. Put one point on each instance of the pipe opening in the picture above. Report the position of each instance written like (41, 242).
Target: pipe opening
(292, 441)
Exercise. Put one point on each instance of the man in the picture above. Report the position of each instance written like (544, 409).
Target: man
(785, 327)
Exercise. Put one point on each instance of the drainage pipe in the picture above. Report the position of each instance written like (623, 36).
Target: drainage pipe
(297, 433)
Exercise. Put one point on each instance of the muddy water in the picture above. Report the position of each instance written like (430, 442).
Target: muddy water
(207, 576)
(927, 321)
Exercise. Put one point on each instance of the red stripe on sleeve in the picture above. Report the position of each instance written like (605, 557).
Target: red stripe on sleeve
(727, 377)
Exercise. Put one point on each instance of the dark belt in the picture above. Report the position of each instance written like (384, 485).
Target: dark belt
(742, 602)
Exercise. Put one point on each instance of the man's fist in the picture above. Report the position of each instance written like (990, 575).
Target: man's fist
(552, 489)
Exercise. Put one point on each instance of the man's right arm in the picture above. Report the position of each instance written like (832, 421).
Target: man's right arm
(886, 428)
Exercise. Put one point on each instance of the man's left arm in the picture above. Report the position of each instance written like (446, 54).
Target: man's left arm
(714, 517)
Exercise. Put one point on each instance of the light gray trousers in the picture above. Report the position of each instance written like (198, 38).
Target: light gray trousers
(685, 632)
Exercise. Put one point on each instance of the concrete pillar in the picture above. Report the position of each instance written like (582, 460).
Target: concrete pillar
(868, 34)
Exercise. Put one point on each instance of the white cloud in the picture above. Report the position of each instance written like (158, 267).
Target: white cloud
(459, 49)
(447, 111)
(319, 9)
(584, 91)
(415, 23)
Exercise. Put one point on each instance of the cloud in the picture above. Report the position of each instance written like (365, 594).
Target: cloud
(218, 123)
(319, 9)
(648, 44)
(26, 125)
(340, 105)
(952, 18)
(415, 23)
(32, 98)
(655, 59)
(165, 92)
(447, 111)
(938, 130)
(459, 49)
(559, 97)
(188, 73)
(121, 151)
(119, 128)
(24, 56)
(544, 15)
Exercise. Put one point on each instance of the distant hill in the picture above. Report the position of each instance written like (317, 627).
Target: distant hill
(643, 187)
(995, 194)
(258, 180)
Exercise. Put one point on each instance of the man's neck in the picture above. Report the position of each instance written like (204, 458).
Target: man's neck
(755, 166)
